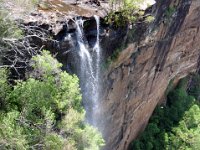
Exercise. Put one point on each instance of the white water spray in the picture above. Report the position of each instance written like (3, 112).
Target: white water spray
(89, 71)
(97, 50)
(85, 56)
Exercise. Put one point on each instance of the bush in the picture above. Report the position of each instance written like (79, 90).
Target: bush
(11, 133)
(126, 11)
(8, 28)
(174, 126)
(195, 88)
(170, 11)
(4, 88)
(45, 111)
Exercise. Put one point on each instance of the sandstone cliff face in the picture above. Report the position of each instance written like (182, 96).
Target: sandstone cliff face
(137, 81)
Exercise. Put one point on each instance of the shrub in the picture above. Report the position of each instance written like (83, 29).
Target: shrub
(8, 28)
(170, 11)
(45, 111)
(127, 11)
(149, 19)
(174, 126)
(195, 88)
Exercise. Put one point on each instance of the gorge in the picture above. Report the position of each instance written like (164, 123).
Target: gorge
(124, 71)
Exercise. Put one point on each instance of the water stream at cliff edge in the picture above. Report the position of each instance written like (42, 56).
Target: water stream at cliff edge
(89, 71)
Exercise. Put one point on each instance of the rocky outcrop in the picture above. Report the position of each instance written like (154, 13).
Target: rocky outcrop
(56, 32)
(137, 81)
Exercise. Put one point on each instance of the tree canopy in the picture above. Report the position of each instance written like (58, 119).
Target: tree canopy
(44, 111)
(176, 125)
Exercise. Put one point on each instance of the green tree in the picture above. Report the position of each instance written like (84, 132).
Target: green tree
(174, 126)
(195, 88)
(11, 133)
(48, 110)
(4, 88)
(187, 134)
(8, 28)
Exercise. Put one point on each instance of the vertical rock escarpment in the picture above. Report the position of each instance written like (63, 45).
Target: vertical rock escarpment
(137, 81)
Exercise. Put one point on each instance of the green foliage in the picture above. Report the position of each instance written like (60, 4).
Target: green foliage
(11, 133)
(187, 134)
(170, 11)
(170, 87)
(195, 89)
(175, 126)
(4, 88)
(92, 143)
(8, 28)
(45, 65)
(53, 141)
(121, 18)
(83, 136)
(113, 57)
(127, 12)
(45, 111)
(149, 19)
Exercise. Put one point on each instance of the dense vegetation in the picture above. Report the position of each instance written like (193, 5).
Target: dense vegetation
(44, 110)
(176, 125)
(125, 12)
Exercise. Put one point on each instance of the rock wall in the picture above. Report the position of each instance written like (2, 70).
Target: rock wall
(136, 82)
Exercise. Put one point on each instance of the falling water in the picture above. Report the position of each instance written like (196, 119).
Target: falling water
(86, 59)
(89, 71)
(97, 50)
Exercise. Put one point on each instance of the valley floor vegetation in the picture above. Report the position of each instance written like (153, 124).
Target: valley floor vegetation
(175, 126)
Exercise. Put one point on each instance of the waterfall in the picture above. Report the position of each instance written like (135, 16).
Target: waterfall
(86, 59)
(97, 50)
(89, 71)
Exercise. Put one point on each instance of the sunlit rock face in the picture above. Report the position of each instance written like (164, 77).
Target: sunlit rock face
(137, 81)
(72, 8)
